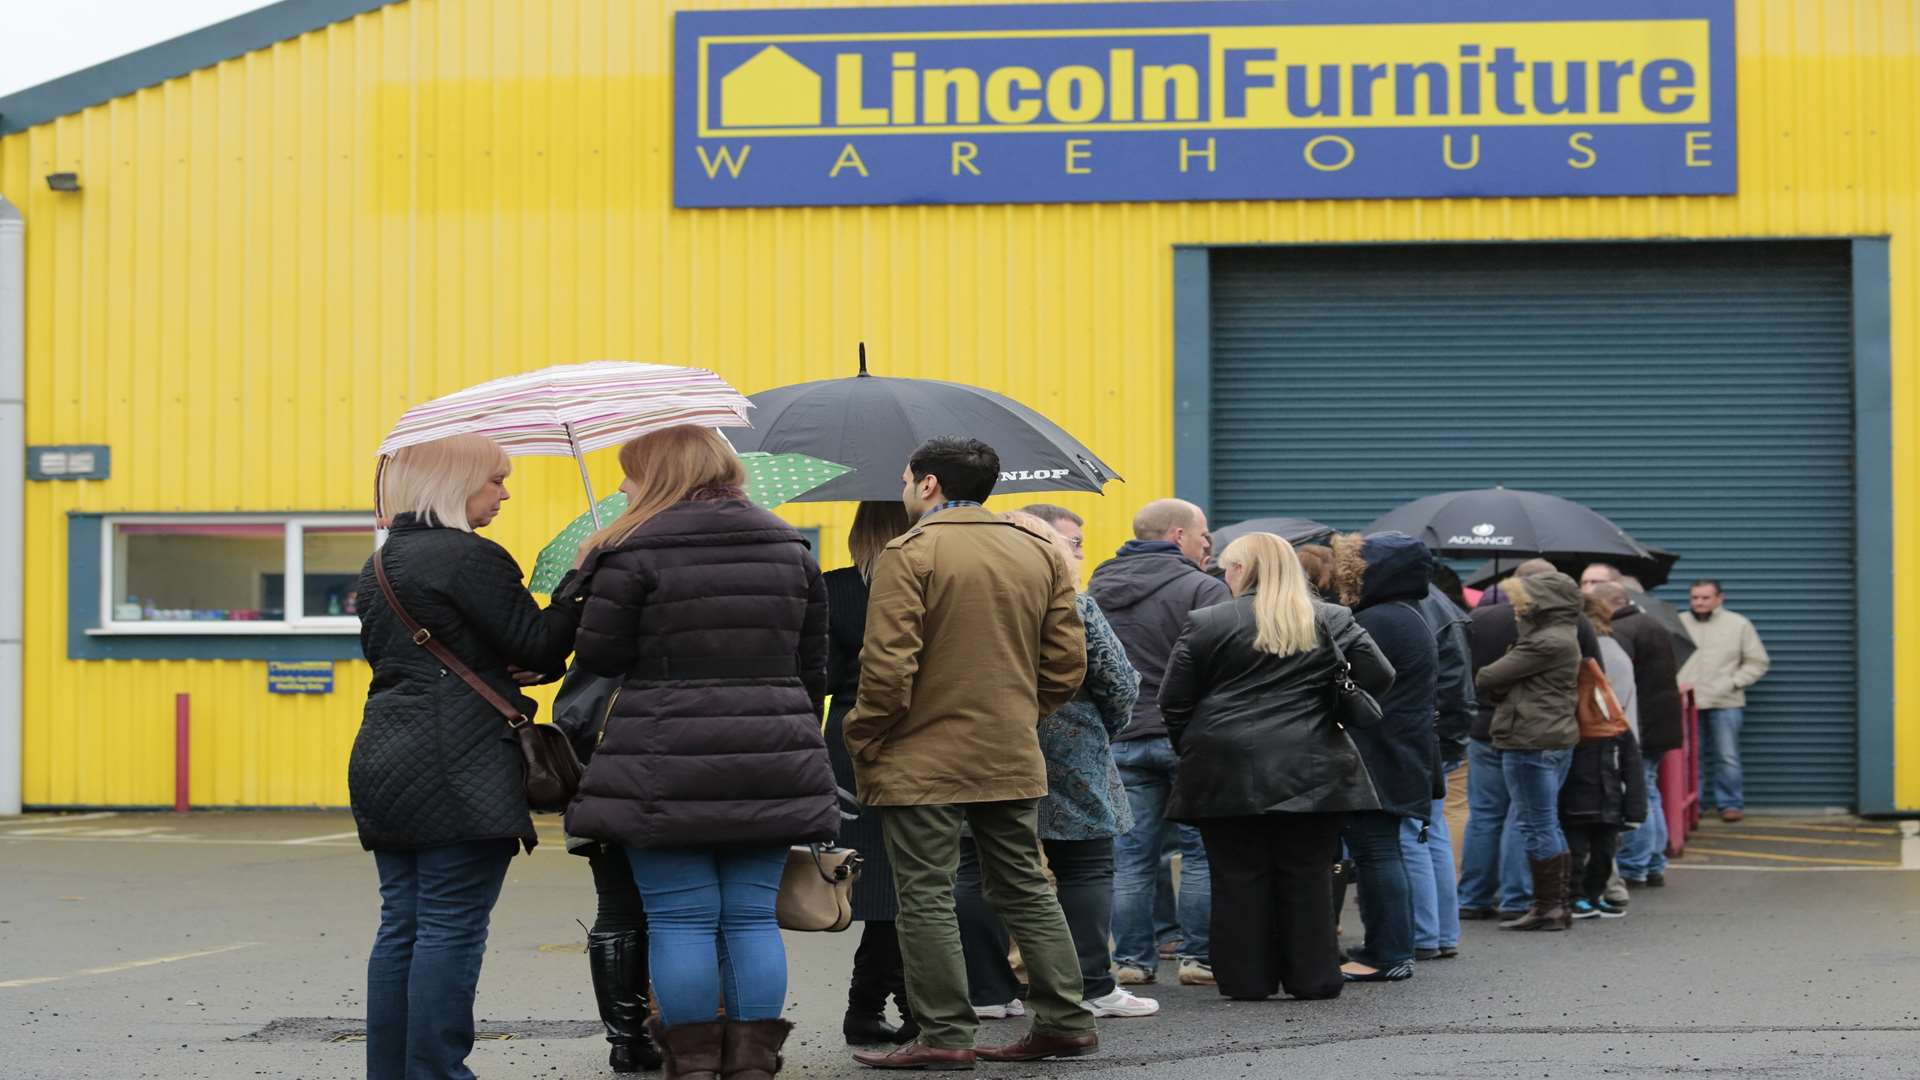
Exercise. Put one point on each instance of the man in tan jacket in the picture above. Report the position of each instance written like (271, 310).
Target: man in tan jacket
(1729, 659)
(972, 637)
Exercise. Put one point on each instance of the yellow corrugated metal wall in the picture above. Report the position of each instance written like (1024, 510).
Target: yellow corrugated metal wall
(273, 257)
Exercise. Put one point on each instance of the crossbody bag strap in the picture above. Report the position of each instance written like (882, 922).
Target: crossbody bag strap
(425, 639)
(1339, 654)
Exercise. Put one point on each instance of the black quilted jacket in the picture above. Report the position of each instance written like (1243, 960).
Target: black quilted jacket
(434, 763)
(714, 617)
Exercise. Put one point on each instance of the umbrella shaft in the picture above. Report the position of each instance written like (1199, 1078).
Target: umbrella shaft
(580, 459)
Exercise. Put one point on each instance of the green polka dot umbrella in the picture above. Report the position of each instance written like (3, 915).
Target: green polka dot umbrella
(771, 480)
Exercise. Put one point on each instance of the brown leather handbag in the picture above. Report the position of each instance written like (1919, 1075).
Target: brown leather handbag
(1599, 711)
(547, 761)
(816, 891)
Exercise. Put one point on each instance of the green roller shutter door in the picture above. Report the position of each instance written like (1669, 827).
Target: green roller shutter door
(1699, 394)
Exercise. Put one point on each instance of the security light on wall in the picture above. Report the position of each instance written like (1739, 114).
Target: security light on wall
(63, 181)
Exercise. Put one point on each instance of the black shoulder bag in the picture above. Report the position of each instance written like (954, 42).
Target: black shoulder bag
(1350, 705)
(547, 761)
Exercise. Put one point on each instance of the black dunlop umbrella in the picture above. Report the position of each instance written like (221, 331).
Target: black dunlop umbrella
(873, 425)
(1651, 572)
(1296, 531)
(1507, 523)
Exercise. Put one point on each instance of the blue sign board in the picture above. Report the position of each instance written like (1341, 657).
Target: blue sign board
(300, 677)
(1222, 99)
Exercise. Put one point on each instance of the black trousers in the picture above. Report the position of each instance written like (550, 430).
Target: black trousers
(1591, 848)
(1273, 904)
(1083, 876)
(618, 908)
(878, 971)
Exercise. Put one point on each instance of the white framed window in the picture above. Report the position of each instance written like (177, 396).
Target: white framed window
(232, 573)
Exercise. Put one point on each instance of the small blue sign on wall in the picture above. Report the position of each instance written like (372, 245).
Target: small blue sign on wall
(1222, 99)
(300, 677)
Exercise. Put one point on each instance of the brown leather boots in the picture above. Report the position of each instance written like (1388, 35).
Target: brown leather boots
(722, 1049)
(1550, 910)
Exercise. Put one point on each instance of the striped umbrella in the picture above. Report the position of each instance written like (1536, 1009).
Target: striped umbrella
(570, 409)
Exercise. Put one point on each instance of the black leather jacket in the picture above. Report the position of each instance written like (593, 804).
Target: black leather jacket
(1254, 731)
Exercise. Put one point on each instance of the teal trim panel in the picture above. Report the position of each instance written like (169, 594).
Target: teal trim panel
(1700, 394)
(1192, 374)
(172, 58)
(83, 614)
(1873, 525)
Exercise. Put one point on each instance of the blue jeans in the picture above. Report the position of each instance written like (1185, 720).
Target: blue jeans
(425, 964)
(1644, 850)
(1721, 785)
(1493, 866)
(1386, 899)
(1533, 780)
(1146, 768)
(696, 900)
(1436, 903)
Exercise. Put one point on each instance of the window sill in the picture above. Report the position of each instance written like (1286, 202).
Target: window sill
(219, 629)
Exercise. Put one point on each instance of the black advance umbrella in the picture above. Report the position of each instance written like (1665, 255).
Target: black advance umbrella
(1507, 523)
(1296, 531)
(873, 424)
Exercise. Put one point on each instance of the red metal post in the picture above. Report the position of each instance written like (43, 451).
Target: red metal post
(1680, 781)
(182, 758)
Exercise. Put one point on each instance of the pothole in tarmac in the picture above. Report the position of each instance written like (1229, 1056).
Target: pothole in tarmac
(334, 1029)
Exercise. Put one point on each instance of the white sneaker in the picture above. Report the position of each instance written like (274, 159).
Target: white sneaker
(1195, 973)
(1012, 1010)
(1132, 976)
(1120, 1005)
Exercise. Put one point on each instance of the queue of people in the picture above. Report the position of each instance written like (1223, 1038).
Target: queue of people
(1006, 751)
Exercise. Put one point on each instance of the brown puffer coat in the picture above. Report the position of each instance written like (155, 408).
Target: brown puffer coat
(714, 617)
(1536, 684)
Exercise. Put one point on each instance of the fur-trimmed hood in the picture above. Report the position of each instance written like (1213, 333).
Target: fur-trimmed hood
(1544, 599)
(1381, 568)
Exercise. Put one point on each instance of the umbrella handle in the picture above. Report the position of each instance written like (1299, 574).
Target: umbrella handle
(593, 504)
(379, 472)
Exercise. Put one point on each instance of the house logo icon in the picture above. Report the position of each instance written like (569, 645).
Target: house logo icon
(771, 89)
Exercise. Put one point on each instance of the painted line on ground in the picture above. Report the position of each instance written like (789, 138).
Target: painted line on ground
(355, 835)
(113, 969)
(170, 839)
(1810, 841)
(1693, 849)
(1887, 869)
(1865, 830)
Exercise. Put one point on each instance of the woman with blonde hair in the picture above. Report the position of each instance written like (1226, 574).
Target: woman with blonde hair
(434, 776)
(1266, 772)
(879, 972)
(712, 613)
(1085, 809)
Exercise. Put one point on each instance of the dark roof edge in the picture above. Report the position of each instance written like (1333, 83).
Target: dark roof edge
(170, 59)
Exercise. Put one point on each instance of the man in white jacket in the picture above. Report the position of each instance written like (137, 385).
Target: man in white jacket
(1729, 659)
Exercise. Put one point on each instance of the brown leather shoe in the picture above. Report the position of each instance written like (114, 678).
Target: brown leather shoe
(1039, 1045)
(1731, 816)
(917, 1056)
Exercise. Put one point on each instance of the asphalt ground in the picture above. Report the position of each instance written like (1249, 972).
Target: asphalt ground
(233, 946)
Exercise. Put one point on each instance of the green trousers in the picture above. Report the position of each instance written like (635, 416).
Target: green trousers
(923, 843)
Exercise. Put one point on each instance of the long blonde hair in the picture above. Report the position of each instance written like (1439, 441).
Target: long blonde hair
(1034, 523)
(665, 467)
(875, 525)
(434, 480)
(1282, 600)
